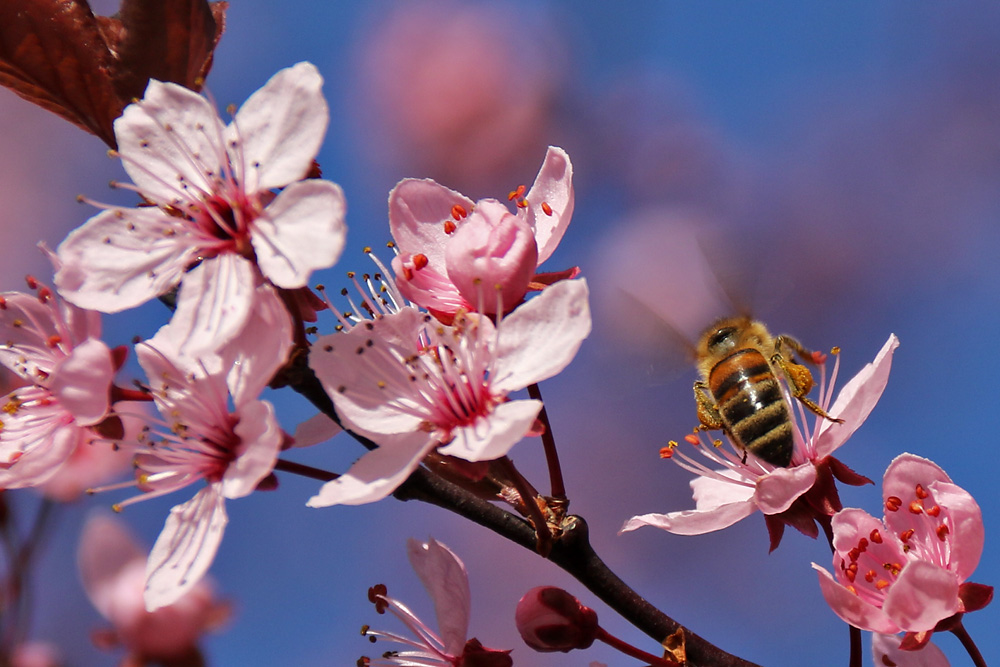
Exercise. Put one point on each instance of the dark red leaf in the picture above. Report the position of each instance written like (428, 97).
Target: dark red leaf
(168, 41)
(53, 53)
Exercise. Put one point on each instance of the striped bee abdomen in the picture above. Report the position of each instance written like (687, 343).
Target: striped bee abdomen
(753, 411)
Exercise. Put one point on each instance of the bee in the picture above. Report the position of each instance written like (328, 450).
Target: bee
(739, 362)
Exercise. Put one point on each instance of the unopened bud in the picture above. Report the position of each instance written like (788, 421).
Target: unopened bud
(550, 619)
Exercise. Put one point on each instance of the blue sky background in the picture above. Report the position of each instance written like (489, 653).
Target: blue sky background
(848, 152)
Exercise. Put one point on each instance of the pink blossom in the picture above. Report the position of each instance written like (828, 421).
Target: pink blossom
(449, 90)
(216, 223)
(908, 572)
(886, 651)
(795, 495)
(413, 385)
(443, 575)
(113, 570)
(201, 438)
(549, 619)
(35, 654)
(55, 348)
(455, 254)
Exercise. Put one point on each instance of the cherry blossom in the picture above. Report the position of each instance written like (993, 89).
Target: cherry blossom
(908, 572)
(413, 385)
(216, 223)
(232, 450)
(113, 571)
(55, 348)
(795, 495)
(443, 575)
(456, 254)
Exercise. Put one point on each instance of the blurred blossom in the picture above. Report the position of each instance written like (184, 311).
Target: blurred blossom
(886, 651)
(549, 619)
(113, 571)
(90, 464)
(36, 654)
(460, 92)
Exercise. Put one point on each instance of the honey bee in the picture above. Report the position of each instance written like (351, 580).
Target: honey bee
(739, 362)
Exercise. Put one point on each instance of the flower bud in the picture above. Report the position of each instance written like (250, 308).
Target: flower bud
(550, 619)
(492, 250)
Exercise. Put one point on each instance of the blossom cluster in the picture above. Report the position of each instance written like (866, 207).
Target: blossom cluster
(427, 371)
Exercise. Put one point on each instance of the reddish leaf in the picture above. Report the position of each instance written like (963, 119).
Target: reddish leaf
(53, 53)
(168, 41)
(975, 596)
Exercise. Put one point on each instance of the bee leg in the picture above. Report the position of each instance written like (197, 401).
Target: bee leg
(708, 411)
(800, 380)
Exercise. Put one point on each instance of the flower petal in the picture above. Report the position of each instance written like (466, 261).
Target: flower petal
(82, 382)
(301, 231)
(124, 257)
(886, 651)
(554, 187)
(906, 471)
(492, 437)
(378, 473)
(260, 441)
(443, 575)
(856, 400)
(777, 490)
(318, 428)
(171, 143)
(417, 211)
(213, 305)
(105, 548)
(280, 128)
(694, 522)
(851, 608)
(923, 594)
(541, 337)
(185, 548)
(34, 444)
(965, 520)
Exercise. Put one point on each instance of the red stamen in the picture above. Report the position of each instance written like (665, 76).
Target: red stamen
(942, 532)
(892, 504)
(934, 511)
(921, 492)
(691, 438)
(420, 261)
(876, 536)
(519, 192)
(449, 227)
(546, 208)
(906, 535)
(870, 576)
(458, 212)
(522, 203)
(915, 507)
(53, 341)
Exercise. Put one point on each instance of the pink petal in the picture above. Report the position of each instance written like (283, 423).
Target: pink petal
(694, 522)
(378, 473)
(541, 337)
(923, 594)
(417, 211)
(427, 287)
(318, 428)
(553, 186)
(492, 437)
(281, 128)
(352, 378)
(856, 400)
(158, 135)
(213, 305)
(906, 471)
(886, 651)
(121, 258)
(106, 547)
(301, 231)
(185, 548)
(82, 382)
(492, 254)
(251, 360)
(260, 441)
(710, 492)
(851, 608)
(777, 490)
(966, 526)
(44, 440)
(443, 575)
